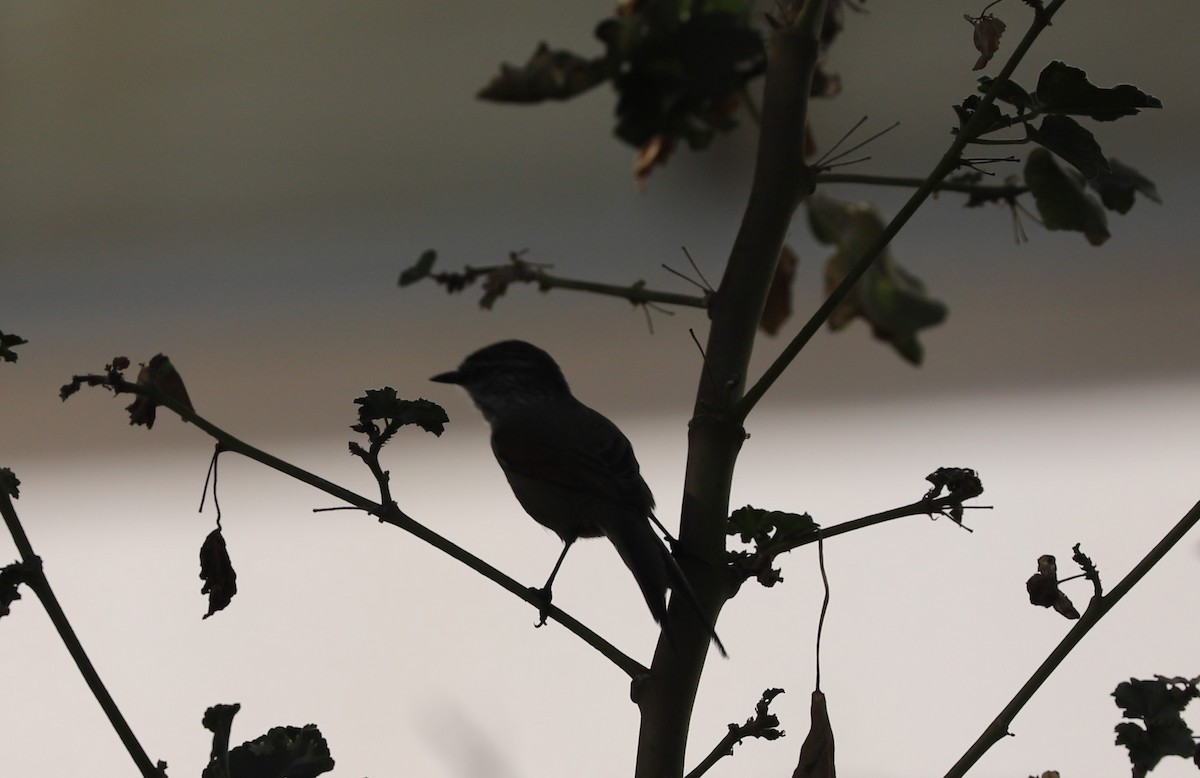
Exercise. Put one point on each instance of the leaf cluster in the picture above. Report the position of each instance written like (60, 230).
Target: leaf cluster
(1158, 704)
(158, 382)
(678, 68)
(11, 577)
(769, 533)
(7, 342)
(381, 414)
(495, 278)
(1061, 196)
(889, 298)
(959, 483)
(1044, 591)
(283, 752)
(679, 72)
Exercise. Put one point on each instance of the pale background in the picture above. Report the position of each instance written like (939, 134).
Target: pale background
(238, 185)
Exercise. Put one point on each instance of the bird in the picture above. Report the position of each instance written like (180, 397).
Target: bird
(570, 467)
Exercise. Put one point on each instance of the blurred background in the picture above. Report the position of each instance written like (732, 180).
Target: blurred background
(239, 185)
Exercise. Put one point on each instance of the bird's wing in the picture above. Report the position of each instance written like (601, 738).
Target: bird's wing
(578, 450)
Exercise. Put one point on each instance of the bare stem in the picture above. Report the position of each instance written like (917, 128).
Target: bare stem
(35, 576)
(1097, 608)
(390, 514)
(988, 191)
(519, 270)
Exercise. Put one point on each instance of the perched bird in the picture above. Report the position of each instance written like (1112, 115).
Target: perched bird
(570, 467)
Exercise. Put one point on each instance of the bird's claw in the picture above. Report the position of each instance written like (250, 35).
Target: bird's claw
(545, 596)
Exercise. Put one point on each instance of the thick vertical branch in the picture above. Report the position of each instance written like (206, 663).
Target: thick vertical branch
(781, 182)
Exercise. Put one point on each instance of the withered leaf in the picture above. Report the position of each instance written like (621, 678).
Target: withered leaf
(216, 570)
(548, 75)
(816, 755)
(158, 374)
(892, 300)
(778, 307)
(988, 30)
(1043, 588)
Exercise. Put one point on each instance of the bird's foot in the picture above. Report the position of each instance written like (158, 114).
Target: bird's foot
(545, 595)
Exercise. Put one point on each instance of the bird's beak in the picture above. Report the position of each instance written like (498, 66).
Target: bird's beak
(453, 377)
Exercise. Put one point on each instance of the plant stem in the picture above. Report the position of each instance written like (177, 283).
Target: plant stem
(782, 180)
(1097, 608)
(948, 163)
(391, 514)
(35, 577)
(990, 191)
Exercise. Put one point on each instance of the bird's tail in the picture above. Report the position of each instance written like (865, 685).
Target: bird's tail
(679, 583)
(655, 570)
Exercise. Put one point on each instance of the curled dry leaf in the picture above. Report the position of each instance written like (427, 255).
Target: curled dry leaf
(550, 74)
(496, 284)
(216, 569)
(1043, 588)
(654, 153)
(778, 307)
(158, 374)
(7, 342)
(816, 755)
(988, 30)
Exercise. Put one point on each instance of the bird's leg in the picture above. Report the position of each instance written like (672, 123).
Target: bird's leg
(670, 540)
(545, 592)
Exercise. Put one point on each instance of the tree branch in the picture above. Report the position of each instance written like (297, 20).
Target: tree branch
(782, 180)
(1097, 608)
(763, 724)
(390, 514)
(948, 163)
(497, 278)
(35, 577)
(981, 191)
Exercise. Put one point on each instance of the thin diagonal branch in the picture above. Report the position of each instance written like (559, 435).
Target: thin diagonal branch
(1097, 608)
(983, 191)
(390, 514)
(497, 278)
(35, 576)
(949, 162)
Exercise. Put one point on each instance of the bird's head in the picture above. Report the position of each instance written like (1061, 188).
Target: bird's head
(508, 374)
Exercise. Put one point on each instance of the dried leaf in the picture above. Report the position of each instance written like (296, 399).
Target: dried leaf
(9, 483)
(654, 153)
(11, 577)
(159, 374)
(960, 483)
(988, 30)
(548, 75)
(1043, 588)
(7, 342)
(816, 755)
(892, 300)
(778, 307)
(420, 270)
(495, 284)
(216, 570)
